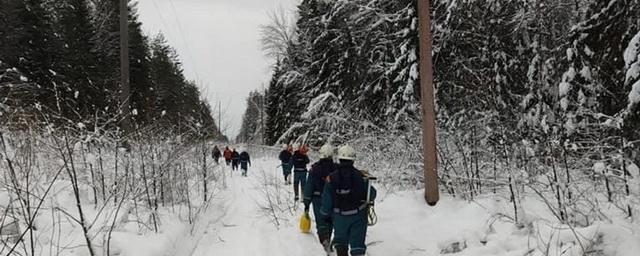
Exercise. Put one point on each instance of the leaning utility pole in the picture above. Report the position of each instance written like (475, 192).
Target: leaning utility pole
(431, 193)
(125, 123)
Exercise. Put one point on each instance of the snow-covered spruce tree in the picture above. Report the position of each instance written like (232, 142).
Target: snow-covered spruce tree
(591, 87)
(300, 81)
(478, 61)
(275, 111)
(31, 45)
(349, 48)
(403, 72)
(170, 99)
(480, 55)
(83, 93)
(252, 129)
(165, 78)
(141, 92)
(106, 42)
(632, 83)
(105, 17)
(576, 116)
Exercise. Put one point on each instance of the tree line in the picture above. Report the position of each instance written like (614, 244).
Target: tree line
(528, 69)
(60, 64)
(524, 90)
(254, 119)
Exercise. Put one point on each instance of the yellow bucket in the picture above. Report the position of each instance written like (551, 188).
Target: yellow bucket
(305, 223)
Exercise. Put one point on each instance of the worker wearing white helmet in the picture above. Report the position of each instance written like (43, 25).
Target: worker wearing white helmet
(313, 192)
(345, 202)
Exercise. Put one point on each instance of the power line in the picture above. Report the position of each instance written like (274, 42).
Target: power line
(162, 20)
(189, 54)
(184, 40)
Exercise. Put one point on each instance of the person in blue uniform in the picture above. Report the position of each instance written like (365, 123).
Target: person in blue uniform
(299, 161)
(313, 193)
(345, 201)
(235, 159)
(245, 162)
(285, 159)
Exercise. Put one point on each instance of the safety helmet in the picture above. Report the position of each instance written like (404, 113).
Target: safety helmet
(326, 151)
(296, 146)
(346, 152)
(285, 146)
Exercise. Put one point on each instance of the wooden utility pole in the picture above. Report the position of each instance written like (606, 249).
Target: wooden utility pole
(125, 123)
(431, 193)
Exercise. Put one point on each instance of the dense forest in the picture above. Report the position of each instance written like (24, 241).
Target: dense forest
(60, 65)
(538, 131)
(520, 69)
(525, 90)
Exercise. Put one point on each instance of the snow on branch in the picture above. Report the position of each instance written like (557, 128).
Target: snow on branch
(323, 103)
(632, 63)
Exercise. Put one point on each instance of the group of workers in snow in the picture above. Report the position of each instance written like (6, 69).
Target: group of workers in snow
(339, 193)
(232, 158)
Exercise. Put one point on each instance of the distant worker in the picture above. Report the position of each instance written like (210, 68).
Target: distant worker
(245, 162)
(313, 194)
(227, 155)
(304, 149)
(346, 200)
(216, 154)
(235, 159)
(285, 159)
(299, 162)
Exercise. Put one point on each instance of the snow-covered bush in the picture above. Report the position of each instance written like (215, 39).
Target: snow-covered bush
(106, 191)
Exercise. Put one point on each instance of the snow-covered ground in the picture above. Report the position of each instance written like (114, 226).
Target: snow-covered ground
(238, 225)
(256, 215)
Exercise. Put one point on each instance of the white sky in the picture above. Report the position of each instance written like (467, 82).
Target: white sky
(219, 45)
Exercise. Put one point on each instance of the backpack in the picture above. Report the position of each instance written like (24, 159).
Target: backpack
(349, 193)
(319, 171)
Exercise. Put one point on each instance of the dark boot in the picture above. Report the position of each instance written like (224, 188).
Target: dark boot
(342, 251)
(325, 240)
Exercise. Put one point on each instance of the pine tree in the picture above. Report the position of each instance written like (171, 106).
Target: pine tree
(106, 44)
(252, 129)
(593, 82)
(167, 80)
(83, 96)
(276, 119)
(140, 85)
(32, 46)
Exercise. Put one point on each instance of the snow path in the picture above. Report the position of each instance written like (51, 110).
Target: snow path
(236, 223)
(243, 228)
